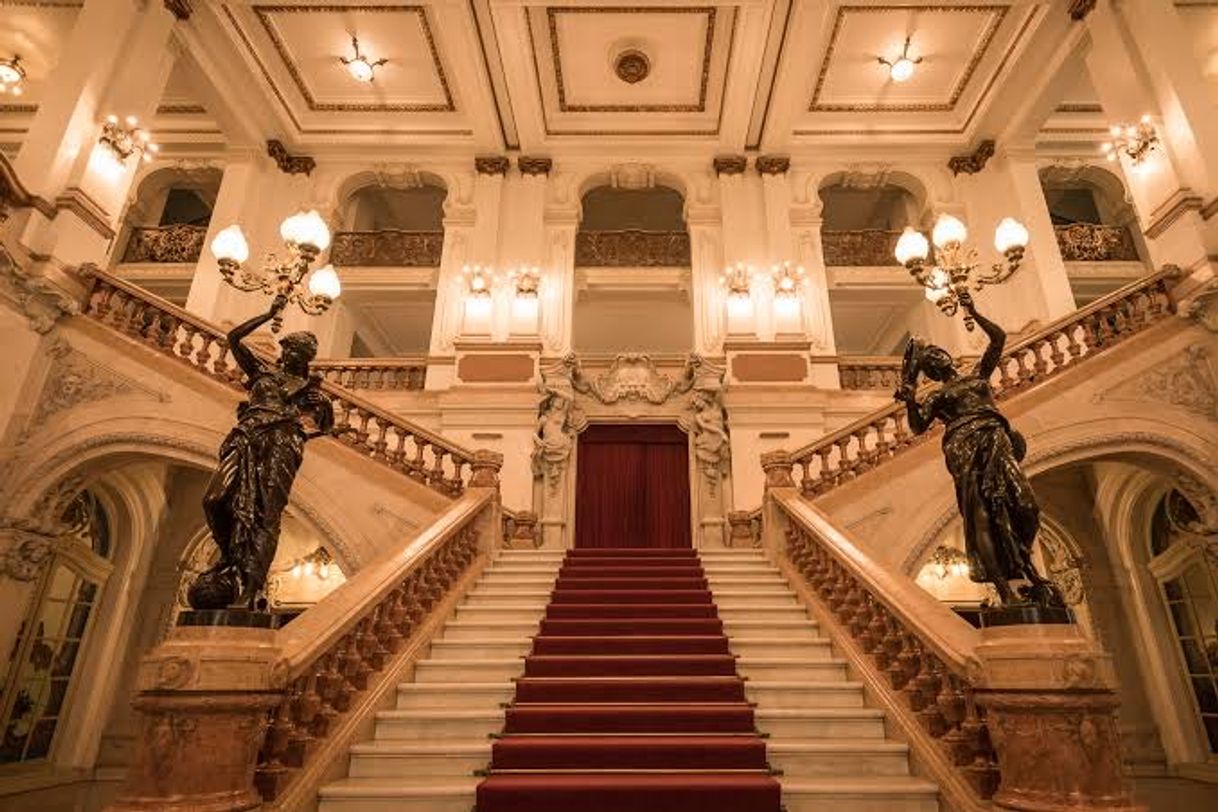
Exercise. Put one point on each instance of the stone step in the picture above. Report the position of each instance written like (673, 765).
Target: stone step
(458, 629)
(799, 694)
(444, 759)
(732, 613)
(804, 648)
(530, 598)
(431, 725)
(474, 649)
(807, 758)
(770, 628)
(458, 671)
(479, 696)
(861, 794)
(528, 583)
(455, 794)
(736, 582)
(790, 669)
(820, 723)
(513, 613)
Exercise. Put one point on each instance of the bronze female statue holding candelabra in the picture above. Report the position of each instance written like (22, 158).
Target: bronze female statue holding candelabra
(983, 452)
(259, 458)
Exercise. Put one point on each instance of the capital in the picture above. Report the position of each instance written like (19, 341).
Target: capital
(485, 465)
(778, 467)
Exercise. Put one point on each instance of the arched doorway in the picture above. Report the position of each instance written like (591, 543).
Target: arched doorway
(632, 486)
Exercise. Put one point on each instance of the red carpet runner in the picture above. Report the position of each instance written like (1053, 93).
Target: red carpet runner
(630, 700)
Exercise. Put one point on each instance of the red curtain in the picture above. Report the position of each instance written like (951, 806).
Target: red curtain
(632, 487)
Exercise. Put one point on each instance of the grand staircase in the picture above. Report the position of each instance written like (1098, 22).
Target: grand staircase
(630, 703)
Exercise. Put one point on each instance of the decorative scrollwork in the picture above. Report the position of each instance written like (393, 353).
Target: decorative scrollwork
(632, 249)
(1087, 242)
(178, 243)
(390, 248)
(867, 247)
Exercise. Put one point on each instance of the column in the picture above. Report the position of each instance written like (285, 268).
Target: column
(121, 72)
(557, 293)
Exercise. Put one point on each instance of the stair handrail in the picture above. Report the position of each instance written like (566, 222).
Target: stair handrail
(916, 649)
(381, 616)
(885, 432)
(401, 373)
(179, 334)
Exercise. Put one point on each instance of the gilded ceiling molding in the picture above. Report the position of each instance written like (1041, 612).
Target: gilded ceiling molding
(530, 165)
(492, 164)
(1079, 9)
(772, 164)
(180, 9)
(974, 163)
(730, 164)
(288, 163)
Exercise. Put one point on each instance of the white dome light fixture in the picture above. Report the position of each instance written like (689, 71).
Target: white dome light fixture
(361, 68)
(901, 69)
(11, 75)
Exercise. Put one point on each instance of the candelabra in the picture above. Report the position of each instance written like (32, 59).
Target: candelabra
(306, 236)
(1133, 140)
(127, 138)
(316, 563)
(947, 561)
(956, 265)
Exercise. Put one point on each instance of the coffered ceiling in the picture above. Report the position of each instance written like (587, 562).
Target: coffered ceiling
(490, 75)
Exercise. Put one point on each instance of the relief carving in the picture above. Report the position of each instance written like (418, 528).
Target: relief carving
(74, 379)
(708, 428)
(28, 552)
(42, 301)
(1186, 382)
(558, 422)
(632, 376)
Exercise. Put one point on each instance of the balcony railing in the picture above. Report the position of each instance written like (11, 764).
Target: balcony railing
(870, 372)
(867, 247)
(181, 244)
(1085, 242)
(388, 248)
(632, 249)
(382, 374)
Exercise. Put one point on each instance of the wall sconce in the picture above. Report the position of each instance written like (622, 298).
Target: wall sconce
(359, 66)
(527, 281)
(901, 68)
(737, 279)
(12, 75)
(306, 236)
(948, 561)
(316, 563)
(947, 281)
(127, 138)
(787, 279)
(1132, 140)
(479, 280)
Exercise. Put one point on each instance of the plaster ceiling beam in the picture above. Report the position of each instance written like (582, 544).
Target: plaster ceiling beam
(780, 23)
(511, 30)
(744, 71)
(811, 25)
(457, 28)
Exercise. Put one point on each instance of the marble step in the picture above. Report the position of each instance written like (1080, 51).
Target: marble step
(513, 584)
(458, 629)
(433, 724)
(454, 794)
(807, 647)
(754, 598)
(800, 694)
(531, 598)
(505, 613)
(733, 612)
(820, 723)
(805, 758)
(443, 759)
(737, 582)
(475, 649)
(479, 696)
(454, 672)
(790, 668)
(799, 628)
(859, 794)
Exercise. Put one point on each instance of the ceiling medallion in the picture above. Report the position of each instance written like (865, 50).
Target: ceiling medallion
(632, 66)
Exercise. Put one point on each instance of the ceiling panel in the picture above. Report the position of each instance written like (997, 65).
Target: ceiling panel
(38, 33)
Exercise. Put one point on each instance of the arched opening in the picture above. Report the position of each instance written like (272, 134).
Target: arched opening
(397, 228)
(862, 219)
(1092, 220)
(632, 258)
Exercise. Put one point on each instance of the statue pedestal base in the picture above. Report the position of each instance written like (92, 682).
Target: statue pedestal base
(232, 618)
(204, 698)
(1025, 613)
(1050, 702)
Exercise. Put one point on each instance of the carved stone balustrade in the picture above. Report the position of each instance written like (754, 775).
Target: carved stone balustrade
(869, 247)
(180, 244)
(374, 432)
(866, 443)
(1087, 242)
(868, 373)
(378, 374)
(387, 248)
(632, 249)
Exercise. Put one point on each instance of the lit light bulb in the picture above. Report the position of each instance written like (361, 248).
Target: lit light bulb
(902, 69)
(132, 121)
(112, 119)
(911, 245)
(323, 572)
(324, 282)
(1010, 234)
(948, 231)
(230, 244)
(296, 570)
(1115, 130)
(308, 568)
(306, 228)
(360, 70)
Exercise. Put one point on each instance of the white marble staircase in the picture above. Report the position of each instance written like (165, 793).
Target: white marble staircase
(829, 745)
(425, 751)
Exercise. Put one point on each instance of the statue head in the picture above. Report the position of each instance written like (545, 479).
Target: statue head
(936, 363)
(298, 349)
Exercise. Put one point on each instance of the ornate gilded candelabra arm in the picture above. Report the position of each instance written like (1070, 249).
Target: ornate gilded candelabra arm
(999, 272)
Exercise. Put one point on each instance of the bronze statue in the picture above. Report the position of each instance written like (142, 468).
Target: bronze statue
(259, 458)
(982, 452)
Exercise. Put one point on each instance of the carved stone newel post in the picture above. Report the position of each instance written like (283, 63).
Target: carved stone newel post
(1050, 701)
(779, 471)
(204, 697)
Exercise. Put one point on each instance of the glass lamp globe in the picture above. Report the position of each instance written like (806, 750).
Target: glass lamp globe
(306, 228)
(360, 69)
(948, 231)
(911, 245)
(902, 69)
(324, 282)
(1010, 234)
(230, 244)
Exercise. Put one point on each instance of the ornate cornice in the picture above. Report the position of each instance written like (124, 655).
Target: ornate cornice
(179, 8)
(730, 164)
(1182, 201)
(77, 201)
(530, 165)
(974, 163)
(772, 164)
(492, 164)
(13, 195)
(288, 163)
(1079, 9)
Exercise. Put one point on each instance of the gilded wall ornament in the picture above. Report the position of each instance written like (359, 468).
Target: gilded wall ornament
(492, 164)
(772, 164)
(531, 165)
(973, 163)
(730, 164)
(288, 163)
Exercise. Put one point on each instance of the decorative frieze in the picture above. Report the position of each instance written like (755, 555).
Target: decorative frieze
(177, 243)
(974, 163)
(531, 165)
(389, 248)
(632, 249)
(772, 164)
(288, 163)
(1087, 242)
(730, 164)
(492, 164)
